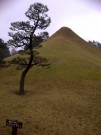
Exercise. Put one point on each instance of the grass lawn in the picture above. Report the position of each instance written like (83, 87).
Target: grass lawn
(64, 99)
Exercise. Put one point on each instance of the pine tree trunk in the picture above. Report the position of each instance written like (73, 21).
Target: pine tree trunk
(24, 73)
(22, 82)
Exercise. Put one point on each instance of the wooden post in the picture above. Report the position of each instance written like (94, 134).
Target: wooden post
(14, 131)
(14, 124)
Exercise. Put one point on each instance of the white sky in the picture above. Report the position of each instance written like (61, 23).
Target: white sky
(82, 16)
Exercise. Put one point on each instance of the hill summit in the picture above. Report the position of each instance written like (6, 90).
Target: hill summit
(68, 34)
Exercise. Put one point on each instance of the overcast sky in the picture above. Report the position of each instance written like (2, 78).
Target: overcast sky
(82, 16)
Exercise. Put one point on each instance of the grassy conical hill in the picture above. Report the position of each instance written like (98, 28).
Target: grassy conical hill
(68, 47)
(63, 99)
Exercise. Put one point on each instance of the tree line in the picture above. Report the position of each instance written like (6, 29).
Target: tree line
(4, 52)
(95, 43)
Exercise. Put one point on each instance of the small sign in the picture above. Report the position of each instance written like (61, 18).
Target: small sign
(13, 123)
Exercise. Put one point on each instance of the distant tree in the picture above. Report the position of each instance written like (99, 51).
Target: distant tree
(95, 43)
(4, 51)
(1, 56)
(24, 36)
(13, 51)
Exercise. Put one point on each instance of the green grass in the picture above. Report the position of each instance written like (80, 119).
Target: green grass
(64, 99)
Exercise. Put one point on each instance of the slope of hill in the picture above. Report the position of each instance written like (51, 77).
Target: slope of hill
(63, 99)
